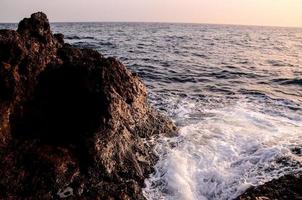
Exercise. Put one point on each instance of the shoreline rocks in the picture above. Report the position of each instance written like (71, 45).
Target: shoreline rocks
(285, 188)
(73, 124)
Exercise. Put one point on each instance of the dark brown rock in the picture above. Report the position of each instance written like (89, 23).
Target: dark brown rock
(72, 123)
(287, 187)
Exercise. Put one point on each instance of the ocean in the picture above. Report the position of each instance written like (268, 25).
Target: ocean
(235, 92)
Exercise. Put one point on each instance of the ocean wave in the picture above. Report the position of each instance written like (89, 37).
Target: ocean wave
(227, 151)
(86, 45)
(75, 37)
(285, 81)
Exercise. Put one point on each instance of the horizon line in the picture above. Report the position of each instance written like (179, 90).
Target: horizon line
(166, 22)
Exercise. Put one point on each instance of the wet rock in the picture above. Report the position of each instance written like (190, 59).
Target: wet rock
(73, 124)
(287, 187)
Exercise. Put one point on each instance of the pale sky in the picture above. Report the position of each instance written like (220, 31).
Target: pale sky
(248, 12)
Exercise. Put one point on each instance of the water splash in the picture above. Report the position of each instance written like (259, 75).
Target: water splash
(227, 151)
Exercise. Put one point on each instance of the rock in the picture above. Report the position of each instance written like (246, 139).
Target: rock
(285, 188)
(73, 124)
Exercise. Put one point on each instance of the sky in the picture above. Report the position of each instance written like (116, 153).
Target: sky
(247, 12)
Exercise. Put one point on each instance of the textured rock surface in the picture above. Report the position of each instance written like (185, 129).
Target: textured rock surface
(284, 188)
(72, 123)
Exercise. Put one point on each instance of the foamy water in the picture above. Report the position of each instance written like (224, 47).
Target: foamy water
(232, 148)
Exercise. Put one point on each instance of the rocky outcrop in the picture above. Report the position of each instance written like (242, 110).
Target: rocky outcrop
(73, 124)
(285, 188)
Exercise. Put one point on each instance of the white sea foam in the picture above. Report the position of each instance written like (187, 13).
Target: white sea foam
(227, 151)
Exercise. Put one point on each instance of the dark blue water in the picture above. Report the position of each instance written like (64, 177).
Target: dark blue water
(234, 91)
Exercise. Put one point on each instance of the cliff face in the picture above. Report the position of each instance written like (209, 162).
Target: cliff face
(73, 124)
